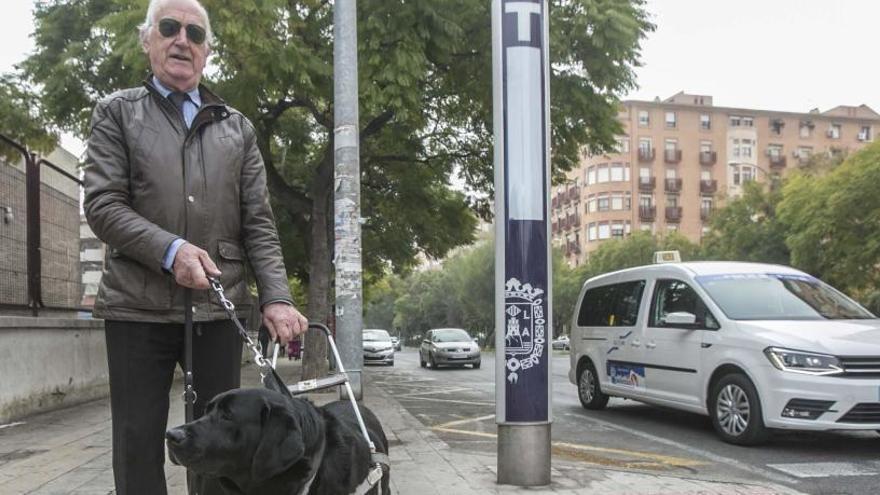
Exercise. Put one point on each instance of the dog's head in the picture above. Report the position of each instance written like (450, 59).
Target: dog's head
(250, 435)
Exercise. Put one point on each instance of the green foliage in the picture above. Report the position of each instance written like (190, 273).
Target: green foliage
(747, 229)
(425, 83)
(20, 119)
(833, 222)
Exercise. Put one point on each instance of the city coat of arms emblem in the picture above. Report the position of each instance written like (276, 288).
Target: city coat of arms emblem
(525, 327)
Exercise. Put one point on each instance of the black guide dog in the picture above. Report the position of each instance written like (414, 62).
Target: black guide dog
(257, 441)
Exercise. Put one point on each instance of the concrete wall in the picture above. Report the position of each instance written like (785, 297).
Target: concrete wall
(49, 363)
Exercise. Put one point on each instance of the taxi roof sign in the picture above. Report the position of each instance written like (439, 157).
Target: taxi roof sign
(667, 257)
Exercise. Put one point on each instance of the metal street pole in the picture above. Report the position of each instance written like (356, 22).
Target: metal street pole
(522, 239)
(347, 200)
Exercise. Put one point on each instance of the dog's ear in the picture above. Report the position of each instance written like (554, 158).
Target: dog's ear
(280, 444)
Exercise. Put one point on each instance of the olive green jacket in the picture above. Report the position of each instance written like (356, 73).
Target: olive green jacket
(148, 181)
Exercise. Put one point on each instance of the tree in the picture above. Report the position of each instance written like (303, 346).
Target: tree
(833, 223)
(747, 228)
(20, 119)
(425, 104)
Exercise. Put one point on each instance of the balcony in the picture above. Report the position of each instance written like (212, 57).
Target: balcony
(572, 248)
(647, 213)
(564, 199)
(705, 213)
(554, 203)
(673, 214)
(646, 155)
(647, 184)
(563, 224)
(554, 227)
(708, 186)
(574, 193)
(672, 156)
(673, 185)
(777, 160)
(708, 157)
(574, 220)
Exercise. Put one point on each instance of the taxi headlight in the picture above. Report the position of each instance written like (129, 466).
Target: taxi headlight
(803, 362)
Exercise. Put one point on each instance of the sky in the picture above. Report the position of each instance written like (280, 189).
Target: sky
(786, 55)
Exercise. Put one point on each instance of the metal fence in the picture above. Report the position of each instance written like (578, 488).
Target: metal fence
(39, 234)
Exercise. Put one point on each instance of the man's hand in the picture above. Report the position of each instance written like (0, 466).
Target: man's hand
(284, 321)
(192, 266)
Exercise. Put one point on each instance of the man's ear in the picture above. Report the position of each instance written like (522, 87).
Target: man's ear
(281, 443)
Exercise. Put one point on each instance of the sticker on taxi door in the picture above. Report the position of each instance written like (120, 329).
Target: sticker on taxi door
(626, 375)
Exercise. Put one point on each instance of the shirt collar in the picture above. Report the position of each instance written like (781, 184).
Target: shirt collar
(193, 95)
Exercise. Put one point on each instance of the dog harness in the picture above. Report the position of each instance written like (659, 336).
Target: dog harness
(380, 462)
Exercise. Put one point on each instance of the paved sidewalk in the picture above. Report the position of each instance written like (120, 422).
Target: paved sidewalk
(68, 452)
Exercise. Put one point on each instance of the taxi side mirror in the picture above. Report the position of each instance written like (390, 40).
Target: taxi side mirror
(680, 318)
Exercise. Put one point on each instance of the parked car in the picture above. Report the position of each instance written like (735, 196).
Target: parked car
(449, 346)
(378, 347)
(561, 343)
(754, 346)
(396, 341)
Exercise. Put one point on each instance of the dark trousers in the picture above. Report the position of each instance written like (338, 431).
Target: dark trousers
(141, 359)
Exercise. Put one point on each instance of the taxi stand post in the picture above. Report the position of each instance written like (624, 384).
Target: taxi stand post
(520, 62)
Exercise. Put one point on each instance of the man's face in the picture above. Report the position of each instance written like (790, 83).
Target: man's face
(176, 61)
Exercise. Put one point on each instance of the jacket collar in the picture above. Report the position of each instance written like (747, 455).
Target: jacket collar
(207, 96)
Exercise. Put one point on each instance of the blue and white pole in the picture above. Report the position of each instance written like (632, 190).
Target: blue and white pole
(520, 59)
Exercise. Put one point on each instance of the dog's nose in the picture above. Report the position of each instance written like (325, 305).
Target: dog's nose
(175, 435)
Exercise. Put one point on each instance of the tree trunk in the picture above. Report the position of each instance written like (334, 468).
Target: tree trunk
(315, 352)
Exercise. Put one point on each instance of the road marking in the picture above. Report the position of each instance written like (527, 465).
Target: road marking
(826, 469)
(435, 399)
(749, 468)
(441, 391)
(465, 421)
(659, 459)
(10, 425)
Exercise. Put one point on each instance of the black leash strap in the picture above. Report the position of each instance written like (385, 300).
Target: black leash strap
(189, 393)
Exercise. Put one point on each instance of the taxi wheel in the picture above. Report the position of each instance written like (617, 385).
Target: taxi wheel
(589, 393)
(431, 363)
(735, 410)
(422, 362)
(477, 365)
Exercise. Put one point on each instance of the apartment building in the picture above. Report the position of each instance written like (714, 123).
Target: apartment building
(679, 158)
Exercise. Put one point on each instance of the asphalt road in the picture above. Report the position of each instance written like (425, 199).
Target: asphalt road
(459, 405)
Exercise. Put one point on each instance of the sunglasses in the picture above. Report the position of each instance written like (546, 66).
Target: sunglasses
(170, 27)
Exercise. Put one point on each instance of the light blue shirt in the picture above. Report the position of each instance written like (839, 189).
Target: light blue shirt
(190, 109)
(190, 106)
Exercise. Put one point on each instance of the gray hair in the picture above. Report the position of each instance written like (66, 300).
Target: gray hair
(153, 9)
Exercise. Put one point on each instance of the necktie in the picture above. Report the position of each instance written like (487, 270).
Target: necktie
(178, 99)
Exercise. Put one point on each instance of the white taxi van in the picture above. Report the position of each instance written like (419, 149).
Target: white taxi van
(754, 346)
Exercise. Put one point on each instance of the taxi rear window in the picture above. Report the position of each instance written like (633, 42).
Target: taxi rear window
(615, 305)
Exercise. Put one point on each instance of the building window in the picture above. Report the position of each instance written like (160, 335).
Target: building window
(705, 122)
(618, 230)
(644, 120)
(705, 207)
(865, 133)
(705, 146)
(591, 203)
(670, 173)
(776, 126)
(672, 201)
(748, 122)
(746, 148)
(806, 129)
(647, 227)
(645, 146)
(743, 174)
(603, 203)
(672, 227)
(591, 232)
(670, 120)
(621, 144)
(740, 121)
(591, 175)
(602, 174)
(604, 231)
(804, 152)
(705, 175)
(774, 150)
(616, 172)
(834, 131)
(645, 201)
(735, 148)
(670, 144)
(644, 173)
(735, 121)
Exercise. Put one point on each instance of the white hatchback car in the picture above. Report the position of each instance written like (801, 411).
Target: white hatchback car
(754, 346)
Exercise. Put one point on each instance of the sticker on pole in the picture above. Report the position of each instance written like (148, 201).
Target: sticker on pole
(525, 324)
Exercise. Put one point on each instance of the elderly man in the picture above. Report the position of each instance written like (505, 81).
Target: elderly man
(176, 187)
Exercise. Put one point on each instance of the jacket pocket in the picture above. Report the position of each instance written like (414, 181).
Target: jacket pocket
(232, 267)
(129, 284)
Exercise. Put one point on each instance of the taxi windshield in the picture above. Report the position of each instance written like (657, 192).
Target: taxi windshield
(769, 296)
(451, 335)
(376, 336)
